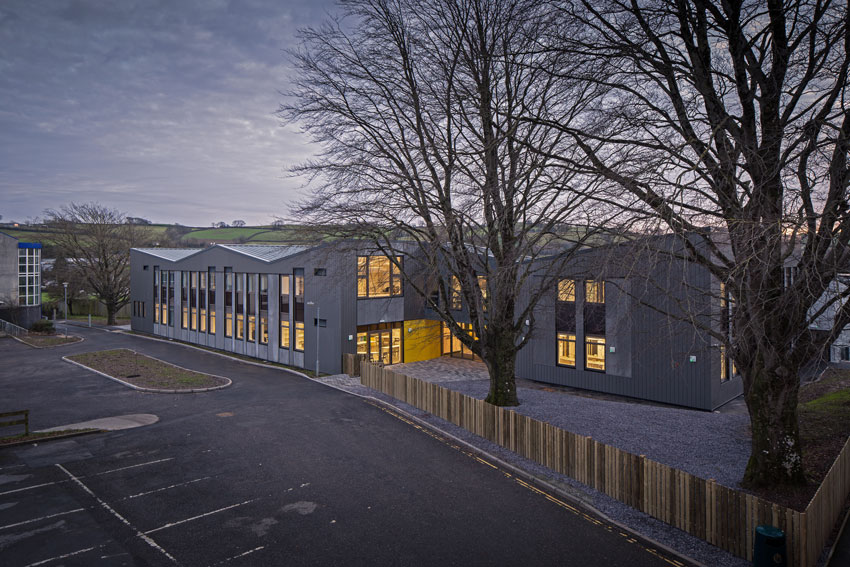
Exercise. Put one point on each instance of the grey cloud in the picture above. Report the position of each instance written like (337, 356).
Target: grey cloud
(139, 104)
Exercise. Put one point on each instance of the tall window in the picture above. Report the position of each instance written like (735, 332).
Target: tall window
(193, 301)
(377, 276)
(240, 305)
(170, 316)
(727, 303)
(264, 309)
(298, 315)
(565, 323)
(156, 304)
(454, 293)
(228, 302)
(184, 303)
(211, 301)
(594, 325)
(284, 311)
(29, 274)
(163, 296)
(202, 301)
(251, 280)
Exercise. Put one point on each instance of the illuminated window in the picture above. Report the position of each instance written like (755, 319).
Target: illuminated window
(211, 301)
(284, 334)
(567, 290)
(184, 300)
(566, 349)
(202, 301)
(284, 312)
(453, 346)
(595, 291)
(594, 353)
(170, 316)
(377, 276)
(299, 336)
(228, 302)
(251, 306)
(381, 342)
(193, 301)
(156, 302)
(482, 285)
(298, 307)
(264, 309)
(454, 299)
(239, 289)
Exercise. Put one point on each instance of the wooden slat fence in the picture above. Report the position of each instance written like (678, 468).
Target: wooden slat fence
(717, 514)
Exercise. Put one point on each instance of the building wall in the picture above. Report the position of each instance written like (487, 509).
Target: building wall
(8, 270)
(650, 354)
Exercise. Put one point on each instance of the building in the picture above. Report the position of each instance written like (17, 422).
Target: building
(20, 281)
(601, 330)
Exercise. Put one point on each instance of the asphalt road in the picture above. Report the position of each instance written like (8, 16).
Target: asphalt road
(275, 470)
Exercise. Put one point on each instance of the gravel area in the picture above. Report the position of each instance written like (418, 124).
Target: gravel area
(705, 444)
(633, 519)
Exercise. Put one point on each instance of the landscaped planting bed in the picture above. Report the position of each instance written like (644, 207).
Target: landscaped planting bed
(146, 372)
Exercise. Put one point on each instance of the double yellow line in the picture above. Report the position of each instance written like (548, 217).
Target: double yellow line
(551, 498)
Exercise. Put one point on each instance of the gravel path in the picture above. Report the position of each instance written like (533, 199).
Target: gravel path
(705, 444)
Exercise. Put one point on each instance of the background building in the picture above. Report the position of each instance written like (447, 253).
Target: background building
(20, 281)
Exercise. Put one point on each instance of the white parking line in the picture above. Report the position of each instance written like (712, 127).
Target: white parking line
(177, 523)
(31, 487)
(42, 518)
(121, 518)
(165, 488)
(249, 552)
(58, 557)
(133, 466)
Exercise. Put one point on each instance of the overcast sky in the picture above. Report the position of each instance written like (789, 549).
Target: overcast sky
(161, 109)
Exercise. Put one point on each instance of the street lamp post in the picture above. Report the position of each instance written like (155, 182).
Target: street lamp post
(65, 285)
(317, 335)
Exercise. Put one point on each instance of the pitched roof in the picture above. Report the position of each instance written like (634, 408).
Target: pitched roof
(170, 254)
(267, 253)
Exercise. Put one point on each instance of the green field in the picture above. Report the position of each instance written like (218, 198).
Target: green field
(195, 237)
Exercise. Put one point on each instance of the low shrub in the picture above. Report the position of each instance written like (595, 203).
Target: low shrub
(42, 326)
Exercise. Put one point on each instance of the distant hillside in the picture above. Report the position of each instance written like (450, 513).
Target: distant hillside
(175, 235)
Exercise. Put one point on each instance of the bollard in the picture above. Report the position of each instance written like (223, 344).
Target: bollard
(89, 319)
(769, 547)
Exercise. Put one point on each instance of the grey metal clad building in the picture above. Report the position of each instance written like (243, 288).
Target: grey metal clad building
(617, 323)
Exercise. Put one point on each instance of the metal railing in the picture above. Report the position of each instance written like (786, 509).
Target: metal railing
(11, 329)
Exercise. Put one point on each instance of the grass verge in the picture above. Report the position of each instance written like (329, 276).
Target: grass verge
(42, 436)
(146, 372)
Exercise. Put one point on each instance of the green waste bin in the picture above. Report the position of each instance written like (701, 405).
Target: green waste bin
(769, 547)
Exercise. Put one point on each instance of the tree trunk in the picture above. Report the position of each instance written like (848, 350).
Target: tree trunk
(776, 457)
(110, 314)
(501, 365)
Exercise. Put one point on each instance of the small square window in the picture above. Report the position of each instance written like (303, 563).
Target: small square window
(320, 272)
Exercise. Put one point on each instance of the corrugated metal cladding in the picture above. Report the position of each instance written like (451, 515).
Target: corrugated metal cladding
(648, 354)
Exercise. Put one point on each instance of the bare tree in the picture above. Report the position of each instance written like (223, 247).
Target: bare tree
(729, 120)
(96, 240)
(238, 223)
(416, 106)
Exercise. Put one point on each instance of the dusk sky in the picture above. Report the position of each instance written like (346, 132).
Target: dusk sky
(161, 109)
